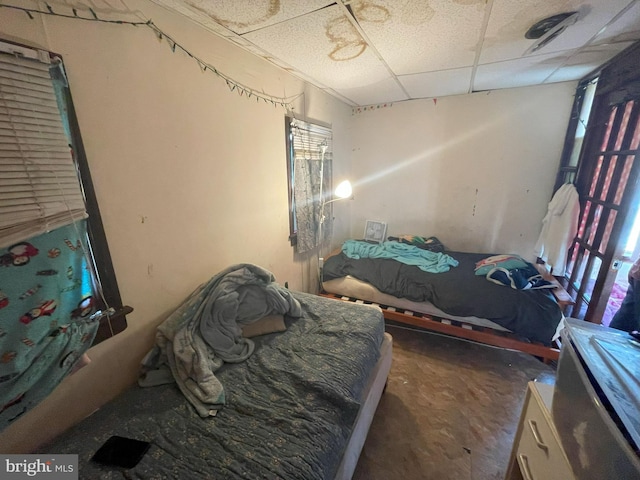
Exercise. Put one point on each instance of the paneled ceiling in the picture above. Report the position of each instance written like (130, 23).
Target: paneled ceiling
(368, 52)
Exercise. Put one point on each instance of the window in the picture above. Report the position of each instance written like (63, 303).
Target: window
(45, 181)
(578, 125)
(600, 158)
(309, 167)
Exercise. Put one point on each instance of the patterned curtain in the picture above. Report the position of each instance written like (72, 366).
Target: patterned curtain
(46, 302)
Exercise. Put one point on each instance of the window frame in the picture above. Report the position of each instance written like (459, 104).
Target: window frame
(115, 321)
(617, 83)
(100, 253)
(293, 227)
(320, 178)
(568, 173)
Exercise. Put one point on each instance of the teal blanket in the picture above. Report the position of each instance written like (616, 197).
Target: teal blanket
(408, 254)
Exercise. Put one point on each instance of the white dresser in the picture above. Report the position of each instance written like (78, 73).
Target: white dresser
(537, 451)
(587, 425)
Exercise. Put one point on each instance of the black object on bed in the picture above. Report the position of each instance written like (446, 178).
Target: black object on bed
(532, 314)
(289, 412)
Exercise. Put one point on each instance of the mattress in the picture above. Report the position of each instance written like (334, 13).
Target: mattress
(531, 314)
(370, 399)
(293, 408)
(352, 287)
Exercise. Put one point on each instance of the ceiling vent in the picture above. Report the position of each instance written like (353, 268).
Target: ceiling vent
(547, 29)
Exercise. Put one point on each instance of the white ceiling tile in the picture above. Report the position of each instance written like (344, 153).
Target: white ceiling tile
(585, 61)
(626, 28)
(386, 90)
(438, 84)
(511, 19)
(415, 37)
(593, 17)
(324, 46)
(569, 73)
(517, 73)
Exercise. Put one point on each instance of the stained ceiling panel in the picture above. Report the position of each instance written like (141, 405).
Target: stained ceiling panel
(510, 19)
(325, 46)
(242, 17)
(375, 51)
(415, 37)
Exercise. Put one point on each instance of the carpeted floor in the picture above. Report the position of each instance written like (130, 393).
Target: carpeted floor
(450, 410)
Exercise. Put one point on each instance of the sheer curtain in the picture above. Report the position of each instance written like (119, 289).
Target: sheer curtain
(312, 150)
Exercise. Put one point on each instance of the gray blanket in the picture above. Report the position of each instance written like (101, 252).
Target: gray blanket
(205, 331)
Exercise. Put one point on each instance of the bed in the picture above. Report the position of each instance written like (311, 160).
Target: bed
(299, 407)
(456, 302)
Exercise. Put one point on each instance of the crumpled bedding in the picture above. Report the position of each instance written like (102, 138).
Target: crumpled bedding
(425, 260)
(532, 314)
(205, 332)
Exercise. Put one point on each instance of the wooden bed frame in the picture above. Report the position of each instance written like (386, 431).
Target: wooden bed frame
(468, 331)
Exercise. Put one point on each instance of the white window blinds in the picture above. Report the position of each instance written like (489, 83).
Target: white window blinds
(39, 186)
(308, 140)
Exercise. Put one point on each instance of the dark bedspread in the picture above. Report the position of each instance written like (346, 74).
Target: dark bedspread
(532, 314)
(290, 407)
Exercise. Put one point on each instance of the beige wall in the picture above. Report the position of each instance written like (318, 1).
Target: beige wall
(477, 171)
(190, 177)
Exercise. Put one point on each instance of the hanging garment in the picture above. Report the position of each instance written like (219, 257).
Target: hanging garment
(559, 227)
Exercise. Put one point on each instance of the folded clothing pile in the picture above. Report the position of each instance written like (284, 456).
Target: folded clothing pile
(425, 243)
(512, 271)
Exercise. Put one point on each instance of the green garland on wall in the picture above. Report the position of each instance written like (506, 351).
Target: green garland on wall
(174, 45)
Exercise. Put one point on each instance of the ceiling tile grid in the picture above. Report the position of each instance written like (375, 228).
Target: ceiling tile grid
(376, 51)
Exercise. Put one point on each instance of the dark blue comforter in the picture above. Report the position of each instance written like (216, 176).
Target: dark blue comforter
(532, 314)
(290, 407)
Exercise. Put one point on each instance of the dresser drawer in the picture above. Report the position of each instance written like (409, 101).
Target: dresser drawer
(539, 453)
